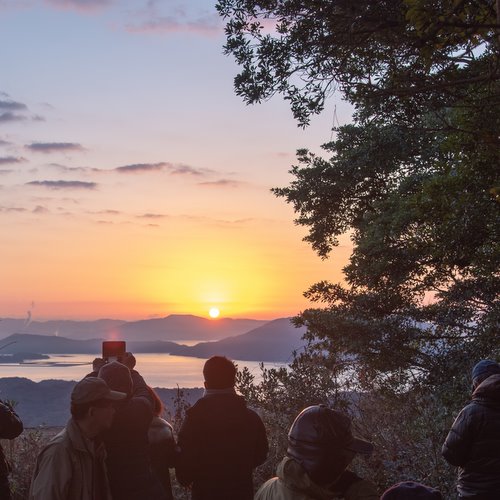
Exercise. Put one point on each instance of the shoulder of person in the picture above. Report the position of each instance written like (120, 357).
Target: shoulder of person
(363, 489)
(10, 423)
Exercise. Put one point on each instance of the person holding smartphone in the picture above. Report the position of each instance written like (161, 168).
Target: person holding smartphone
(126, 441)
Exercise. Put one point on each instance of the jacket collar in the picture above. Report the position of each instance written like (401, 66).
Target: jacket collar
(78, 439)
(295, 477)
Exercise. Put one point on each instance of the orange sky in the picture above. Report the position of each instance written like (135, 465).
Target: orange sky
(133, 182)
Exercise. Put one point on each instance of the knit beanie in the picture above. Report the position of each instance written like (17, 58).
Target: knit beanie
(410, 490)
(483, 370)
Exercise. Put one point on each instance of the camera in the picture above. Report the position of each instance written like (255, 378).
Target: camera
(113, 350)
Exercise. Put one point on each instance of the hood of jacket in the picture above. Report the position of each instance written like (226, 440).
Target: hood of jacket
(488, 391)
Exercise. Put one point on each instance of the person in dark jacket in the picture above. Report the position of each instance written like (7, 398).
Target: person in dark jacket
(127, 446)
(473, 443)
(220, 441)
(162, 447)
(10, 427)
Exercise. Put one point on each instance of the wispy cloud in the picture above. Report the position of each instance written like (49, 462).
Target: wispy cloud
(221, 183)
(64, 168)
(80, 5)
(9, 160)
(8, 105)
(8, 116)
(107, 212)
(4, 143)
(187, 170)
(166, 18)
(142, 167)
(152, 216)
(64, 184)
(54, 147)
(39, 209)
(207, 26)
(14, 111)
(5, 171)
(170, 168)
(4, 209)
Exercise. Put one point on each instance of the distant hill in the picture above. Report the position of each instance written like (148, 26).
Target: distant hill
(47, 403)
(176, 327)
(45, 344)
(273, 341)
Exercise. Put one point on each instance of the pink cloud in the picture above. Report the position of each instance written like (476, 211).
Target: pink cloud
(80, 5)
(207, 26)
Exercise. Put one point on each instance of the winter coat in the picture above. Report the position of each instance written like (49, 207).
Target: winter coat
(162, 452)
(220, 442)
(10, 427)
(293, 483)
(70, 467)
(127, 446)
(473, 443)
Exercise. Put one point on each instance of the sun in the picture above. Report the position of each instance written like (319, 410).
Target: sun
(214, 312)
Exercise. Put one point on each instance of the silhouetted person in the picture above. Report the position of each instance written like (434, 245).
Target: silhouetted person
(410, 490)
(473, 443)
(320, 448)
(72, 465)
(10, 427)
(221, 441)
(127, 446)
(162, 450)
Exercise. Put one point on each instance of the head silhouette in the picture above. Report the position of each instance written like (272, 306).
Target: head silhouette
(219, 373)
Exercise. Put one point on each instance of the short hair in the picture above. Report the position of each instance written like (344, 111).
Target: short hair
(219, 373)
(78, 411)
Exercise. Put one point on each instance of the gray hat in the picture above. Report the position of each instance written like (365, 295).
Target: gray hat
(92, 389)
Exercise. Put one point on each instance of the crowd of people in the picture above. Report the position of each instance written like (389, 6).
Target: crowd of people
(116, 445)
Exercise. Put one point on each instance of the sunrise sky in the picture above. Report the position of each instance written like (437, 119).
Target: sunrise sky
(133, 182)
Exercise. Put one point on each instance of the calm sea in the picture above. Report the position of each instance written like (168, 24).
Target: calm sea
(159, 370)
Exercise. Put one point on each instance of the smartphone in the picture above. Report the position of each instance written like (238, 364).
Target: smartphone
(113, 350)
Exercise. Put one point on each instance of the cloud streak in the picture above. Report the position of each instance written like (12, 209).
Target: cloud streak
(12, 105)
(54, 147)
(135, 168)
(179, 169)
(206, 26)
(221, 183)
(79, 5)
(9, 160)
(64, 184)
(8, 116)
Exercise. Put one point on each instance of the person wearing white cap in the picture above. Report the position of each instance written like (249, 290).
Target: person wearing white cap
(72, 465)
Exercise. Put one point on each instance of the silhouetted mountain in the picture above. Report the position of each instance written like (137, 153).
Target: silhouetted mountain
(65, 328)
(44, 344)
(175, 327)
(179, 327)
(273, 341)
(47, 403)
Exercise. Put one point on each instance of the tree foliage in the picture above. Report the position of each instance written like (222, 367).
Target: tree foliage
(414, 179)
(392, 56)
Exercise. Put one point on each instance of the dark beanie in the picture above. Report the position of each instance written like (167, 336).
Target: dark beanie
(483, 370)
(409, 490)
(117, 376)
